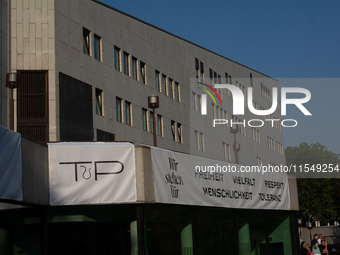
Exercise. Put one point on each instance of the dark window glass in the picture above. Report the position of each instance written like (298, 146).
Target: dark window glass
(99, 101)
(134, 68)
(86, 41)
(97, 47)
(168, 229)
(126, 63)
(87, 230)
(214, 227)
(119, 109)
(142, 72)
(117, 58)
(33, 105)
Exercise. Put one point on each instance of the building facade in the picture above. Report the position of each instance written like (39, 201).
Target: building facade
(86, 71)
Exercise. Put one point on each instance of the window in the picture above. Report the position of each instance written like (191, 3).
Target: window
(214, 111)
(171, 88)
(99, 102)
(158, 88)
(195, 101)
(202, 141)
(226, 150)
(164, 88)
(151, 121)
(145, 119)
(86, 41)
(199, 108)
(159, 125)
(199, 141)
(128, 111)
(117, 58)
(134, 68)
(126, 63)
(202, 71)
(197, 68)
(179, 133)
(178, 92)
(173, 130)
(176, 131)
(256, 135)
(259, 161)
(251, 80)
(142, 72)
(226, 117)
(211, 76)
(32, 107)
(119, 114)
(97, 47)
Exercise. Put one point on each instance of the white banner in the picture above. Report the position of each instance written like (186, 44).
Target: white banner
(91, 173)
(10, 165)
(192, 180)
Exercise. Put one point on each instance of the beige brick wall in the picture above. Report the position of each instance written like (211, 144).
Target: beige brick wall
(33, 44)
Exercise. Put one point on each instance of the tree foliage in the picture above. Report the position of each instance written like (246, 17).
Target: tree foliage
(319, 194)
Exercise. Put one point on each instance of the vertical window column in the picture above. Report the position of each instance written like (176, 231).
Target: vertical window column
(97, 47)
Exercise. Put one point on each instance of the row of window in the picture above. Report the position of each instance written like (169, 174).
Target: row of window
(123, 111)
(265, 92)
(197, 102)
(176, 127)
(271, 143)
(226, 151)
(219, 113)
(241, 125)
(167, 86)
(256, 135)
(259, 161)
(147, 120)
(199, 141)
(97, 44)
(129, 65)
(243, 88)
(280, 148)
(263, 117)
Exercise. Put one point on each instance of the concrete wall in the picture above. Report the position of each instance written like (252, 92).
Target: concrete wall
(167, 54)
(47, 35)
(33, 43)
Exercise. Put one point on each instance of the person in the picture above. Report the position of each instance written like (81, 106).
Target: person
(304, 250)
(323, 247)
(315, 247)
(320, 238)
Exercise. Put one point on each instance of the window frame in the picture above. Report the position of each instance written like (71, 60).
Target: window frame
(117, 57)
(145, 120)
(99, 94)
(97, 41)
(126, 63)
(134, 68)
(86, 41)
(142, 72)
(128, 113)
(119, 112)
(159, 125)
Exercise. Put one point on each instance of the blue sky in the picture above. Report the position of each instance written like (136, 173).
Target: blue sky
(280, 38)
